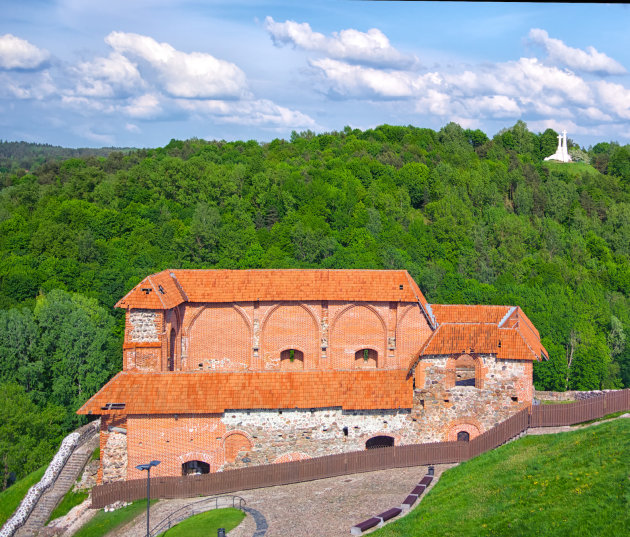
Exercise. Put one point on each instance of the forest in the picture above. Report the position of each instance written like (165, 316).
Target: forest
(474, 220)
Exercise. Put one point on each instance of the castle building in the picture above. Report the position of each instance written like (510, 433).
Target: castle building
(230, 368)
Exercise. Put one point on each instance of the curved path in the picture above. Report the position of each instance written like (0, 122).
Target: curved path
(325, 507)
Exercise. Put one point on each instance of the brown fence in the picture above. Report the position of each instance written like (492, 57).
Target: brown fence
(580, 411)
(361, 461)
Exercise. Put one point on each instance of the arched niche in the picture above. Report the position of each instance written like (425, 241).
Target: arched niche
(219, 339)
(290, 326)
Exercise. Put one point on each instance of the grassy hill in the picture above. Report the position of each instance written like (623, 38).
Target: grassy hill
(11, 498)
(575, 483)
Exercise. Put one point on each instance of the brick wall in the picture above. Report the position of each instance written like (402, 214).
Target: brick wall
(252, 335)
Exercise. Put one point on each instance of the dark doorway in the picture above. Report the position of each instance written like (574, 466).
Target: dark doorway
(463, 436)
(195, 468)
(379, 442)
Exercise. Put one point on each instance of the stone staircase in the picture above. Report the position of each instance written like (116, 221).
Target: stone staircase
(51, 498)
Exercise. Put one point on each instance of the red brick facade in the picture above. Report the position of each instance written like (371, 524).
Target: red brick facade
(213, 358)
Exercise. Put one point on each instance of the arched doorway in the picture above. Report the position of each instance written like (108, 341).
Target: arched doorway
(463, 436)
(379, 442)
(195, 468)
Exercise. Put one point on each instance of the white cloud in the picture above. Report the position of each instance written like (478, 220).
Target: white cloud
(590, 61)
(185, 75)
(108, 77)
(131, 127)
(261, 112)
(356, 80)
(371, 47)
(36, 86)
(616, 97)
(498, 106)
(145, 106)
(17, 53)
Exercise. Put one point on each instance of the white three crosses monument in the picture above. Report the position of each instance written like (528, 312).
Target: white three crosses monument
(561, 153)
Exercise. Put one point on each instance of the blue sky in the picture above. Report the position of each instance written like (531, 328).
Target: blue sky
(138, 72)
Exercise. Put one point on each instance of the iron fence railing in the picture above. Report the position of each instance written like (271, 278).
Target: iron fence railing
(217, 502)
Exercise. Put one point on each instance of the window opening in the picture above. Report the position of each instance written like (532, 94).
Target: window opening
(195, 468)
(465, 371)
(366, 358)
(292, 359)
(463, 436)
(379, 442)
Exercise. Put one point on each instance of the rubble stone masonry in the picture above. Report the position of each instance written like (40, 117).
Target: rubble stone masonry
(240, 438)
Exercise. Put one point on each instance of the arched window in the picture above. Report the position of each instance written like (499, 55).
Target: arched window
(464, 371)
(379, 442)
(291, 360)
(171, 350)
(463, 436)
(366, 358)
(195, 468)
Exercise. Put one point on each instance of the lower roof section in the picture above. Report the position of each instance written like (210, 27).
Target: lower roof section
(131, 392)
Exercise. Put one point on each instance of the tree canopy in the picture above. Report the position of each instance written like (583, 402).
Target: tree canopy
(474, 220)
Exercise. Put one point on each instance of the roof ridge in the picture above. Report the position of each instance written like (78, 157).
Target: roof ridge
(507, 316)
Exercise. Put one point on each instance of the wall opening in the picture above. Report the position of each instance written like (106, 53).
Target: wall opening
(291, 359)
(366, 358)
(464, 371)
(195, 468)
(171, 351)
(379, 442)
(463, 436)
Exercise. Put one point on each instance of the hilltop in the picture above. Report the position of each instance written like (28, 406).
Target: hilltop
(474, 220)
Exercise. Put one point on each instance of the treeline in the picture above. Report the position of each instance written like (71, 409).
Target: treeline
(474, 220)
(24, 156)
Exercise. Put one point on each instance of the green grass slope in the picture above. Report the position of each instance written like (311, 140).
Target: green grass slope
(10, 499)
(106, 522)
(575, 483)
(205, 524)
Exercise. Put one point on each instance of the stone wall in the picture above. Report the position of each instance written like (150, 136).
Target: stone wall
(277, 434)
(568, 395)
(238, 438)
(114, 458)
(442, 409)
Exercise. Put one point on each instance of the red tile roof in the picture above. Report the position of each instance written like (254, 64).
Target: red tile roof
(463, 338)
(271, 285)
(502, 330)
(457, 313)
(206, 392)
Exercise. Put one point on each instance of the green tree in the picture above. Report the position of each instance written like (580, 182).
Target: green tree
(29, 435)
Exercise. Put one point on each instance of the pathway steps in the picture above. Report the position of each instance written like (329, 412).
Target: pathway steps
(51, 498)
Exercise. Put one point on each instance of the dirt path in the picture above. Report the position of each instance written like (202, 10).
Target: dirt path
(322, 508)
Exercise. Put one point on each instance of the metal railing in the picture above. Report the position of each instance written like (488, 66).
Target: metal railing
(195, 508)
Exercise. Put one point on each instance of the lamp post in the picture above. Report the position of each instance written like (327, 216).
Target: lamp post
(148, 467)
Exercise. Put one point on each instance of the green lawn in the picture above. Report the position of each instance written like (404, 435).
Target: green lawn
(103, 522)
(566, 484)
(573, 169)
(206, 524)
(10, 499)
